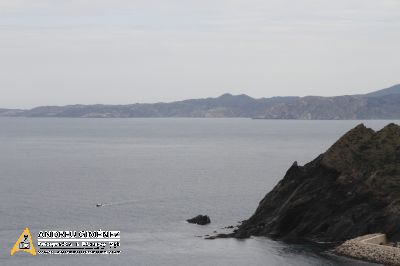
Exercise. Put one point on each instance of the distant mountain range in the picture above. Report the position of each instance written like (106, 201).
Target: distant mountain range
(381, 104)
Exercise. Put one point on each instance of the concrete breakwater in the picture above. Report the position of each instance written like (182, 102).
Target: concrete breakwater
(373, 248)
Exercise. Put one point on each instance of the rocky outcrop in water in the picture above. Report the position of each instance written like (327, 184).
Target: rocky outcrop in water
(352, 189)
(200, 219)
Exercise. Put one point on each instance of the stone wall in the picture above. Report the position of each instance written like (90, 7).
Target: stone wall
(371, 248)
(376, 239)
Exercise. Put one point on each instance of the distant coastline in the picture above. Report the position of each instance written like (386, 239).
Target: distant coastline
(380, 104)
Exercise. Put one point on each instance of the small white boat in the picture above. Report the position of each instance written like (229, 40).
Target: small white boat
(99, 205)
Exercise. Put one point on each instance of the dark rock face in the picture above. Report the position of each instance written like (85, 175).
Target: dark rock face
(351, 190)
(200, 219)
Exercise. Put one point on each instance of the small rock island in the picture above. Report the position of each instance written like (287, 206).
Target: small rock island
(351, 190)
(200, 220)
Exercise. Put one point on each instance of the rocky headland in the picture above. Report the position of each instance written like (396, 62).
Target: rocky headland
(353, 189)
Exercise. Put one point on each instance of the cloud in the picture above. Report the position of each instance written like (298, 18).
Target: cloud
(110, 51)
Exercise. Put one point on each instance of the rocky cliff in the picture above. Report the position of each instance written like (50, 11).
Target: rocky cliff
(351, 190)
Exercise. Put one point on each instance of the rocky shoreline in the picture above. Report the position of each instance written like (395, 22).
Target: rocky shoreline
(372, 248)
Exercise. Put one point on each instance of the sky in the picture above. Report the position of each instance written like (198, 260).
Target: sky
(58, 52)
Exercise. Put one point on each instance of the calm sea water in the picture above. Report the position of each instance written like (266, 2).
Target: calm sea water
(153, 174)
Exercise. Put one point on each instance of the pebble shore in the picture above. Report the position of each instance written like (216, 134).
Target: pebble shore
(359, 248)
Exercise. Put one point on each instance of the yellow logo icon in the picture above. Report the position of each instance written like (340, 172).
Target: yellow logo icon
(24, 243)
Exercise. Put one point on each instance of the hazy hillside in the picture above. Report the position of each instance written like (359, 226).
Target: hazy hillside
(11, 112)
(226, 105)
(388, 91)
(381, 104)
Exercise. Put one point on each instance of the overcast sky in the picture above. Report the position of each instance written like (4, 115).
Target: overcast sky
(56, 52)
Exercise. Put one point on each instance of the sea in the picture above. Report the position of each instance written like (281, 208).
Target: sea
(150, 175)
